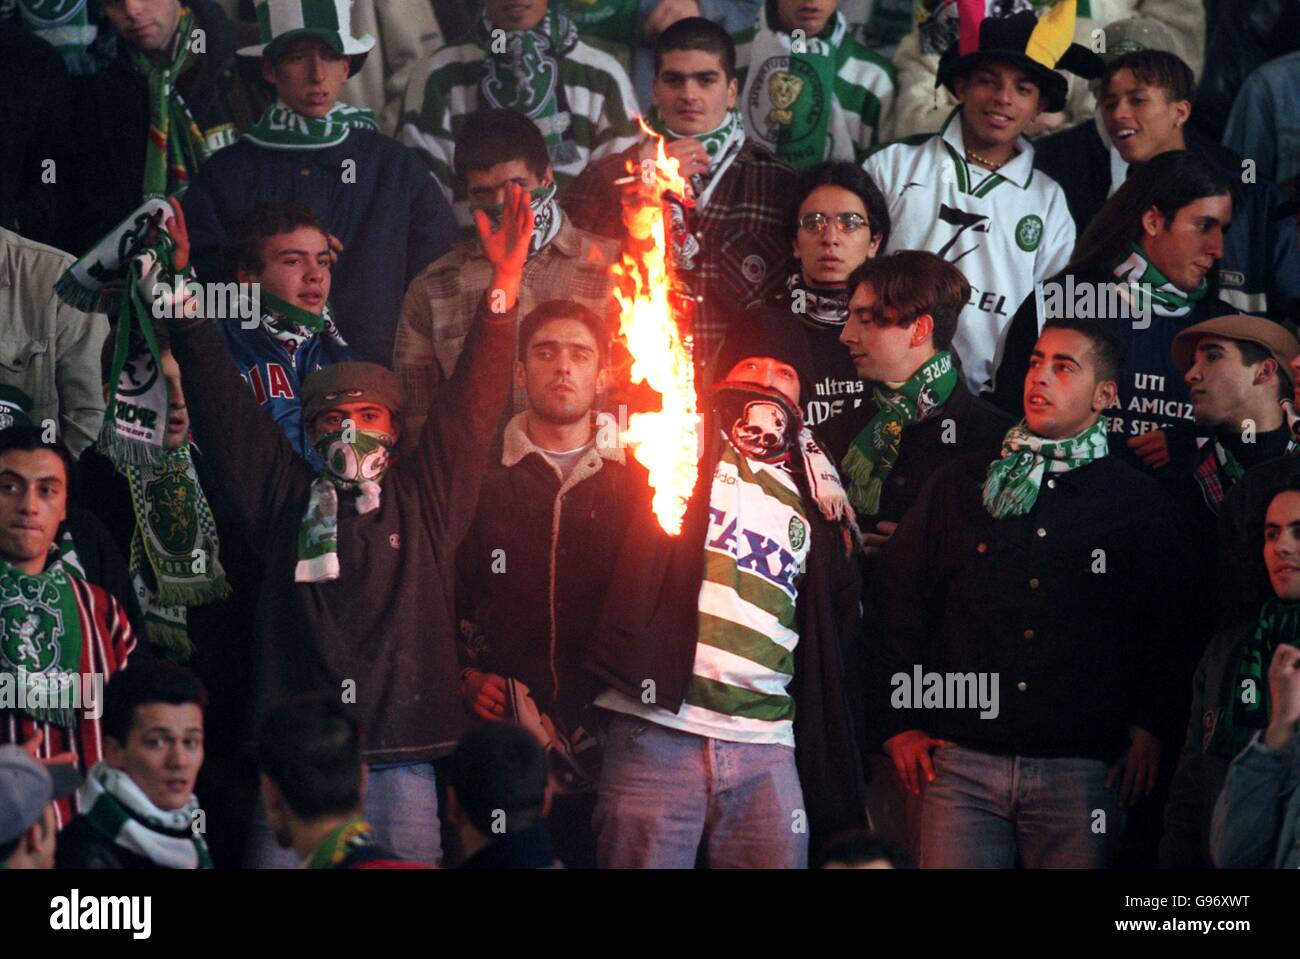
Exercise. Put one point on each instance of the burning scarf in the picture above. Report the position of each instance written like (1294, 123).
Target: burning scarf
(356, 461)
(824, 307)
(525, 78)
(1013, 481)
(1279, 622)
(763, 425)
(176, 147)
(788, 93)
(174, 549)
(1143, 280)
(874, 451)
(282, 128)
(119, 810)
(547, 216)
(40, 633)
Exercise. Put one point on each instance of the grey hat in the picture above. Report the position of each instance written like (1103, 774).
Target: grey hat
(1137, 33)
(26, 787)
(349, 382)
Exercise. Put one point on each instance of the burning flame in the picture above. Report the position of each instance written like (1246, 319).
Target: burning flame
(664, 442)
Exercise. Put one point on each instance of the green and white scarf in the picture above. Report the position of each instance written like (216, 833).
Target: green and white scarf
(1278, 623)
(64, 24)
(1014, 480)
(874, 451)
(525, 78)
(282, 128)
(789, 94)
(355, 463)
(115, 278)
(176, 148)
(1141, 280)
(119, 810)
(174, 549)
(40, 634)
(547, 216)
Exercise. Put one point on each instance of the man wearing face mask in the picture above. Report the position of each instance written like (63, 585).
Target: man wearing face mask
(355, 559)
(496, 148)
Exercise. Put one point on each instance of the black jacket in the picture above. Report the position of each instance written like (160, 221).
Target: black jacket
(112, 110)
(1066, 605)
(650, 624)
(82, 846)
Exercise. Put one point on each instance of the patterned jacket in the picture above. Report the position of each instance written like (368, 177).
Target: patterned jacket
(744, 246)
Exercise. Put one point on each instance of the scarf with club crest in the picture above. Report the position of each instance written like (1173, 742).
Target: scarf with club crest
(176, 148)
(874, 451)
(174, 559)
(547, 216)
(119, 810)
(790, 89)
(1013, 481)
(525, 77)
(1142, 281)
(282, 128)
(355, 461)
(722, 144)
(40, 633)
(1279, 622)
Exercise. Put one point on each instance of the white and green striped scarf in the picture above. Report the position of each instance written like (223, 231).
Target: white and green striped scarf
(1013, 481)
(282, 128)
(119, 810)
(1142, 280)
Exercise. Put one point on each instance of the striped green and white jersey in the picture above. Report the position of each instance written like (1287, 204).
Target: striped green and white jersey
(824, 99)
(446, 88)
(755, 553)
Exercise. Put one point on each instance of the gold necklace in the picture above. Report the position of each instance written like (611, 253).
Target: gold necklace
(989, 164)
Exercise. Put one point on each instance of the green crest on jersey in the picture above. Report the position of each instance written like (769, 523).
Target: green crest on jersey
(1029, 232)
(798, 532)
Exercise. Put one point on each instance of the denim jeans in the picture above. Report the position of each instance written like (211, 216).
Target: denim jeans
(663, 793)
(401, 804)
(984, 809)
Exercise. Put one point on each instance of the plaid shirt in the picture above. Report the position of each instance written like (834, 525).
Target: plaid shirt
(442, 301)
(743, 234)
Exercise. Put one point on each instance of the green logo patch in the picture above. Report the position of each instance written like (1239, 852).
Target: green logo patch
(798, 532)
(1029, 233)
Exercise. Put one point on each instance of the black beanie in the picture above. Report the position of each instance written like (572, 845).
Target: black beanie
(768, 330)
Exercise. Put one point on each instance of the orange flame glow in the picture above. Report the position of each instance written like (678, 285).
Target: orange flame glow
(664, 442)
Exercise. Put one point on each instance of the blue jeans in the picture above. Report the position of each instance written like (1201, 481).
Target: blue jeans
(663, 792)
(401, 804)
(982, 809)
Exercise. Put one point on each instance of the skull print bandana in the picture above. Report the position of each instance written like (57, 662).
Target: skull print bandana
(762, 423)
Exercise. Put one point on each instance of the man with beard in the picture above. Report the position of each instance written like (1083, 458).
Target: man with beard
(537, 563)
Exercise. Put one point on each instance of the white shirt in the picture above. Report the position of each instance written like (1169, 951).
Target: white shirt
(1004, 230)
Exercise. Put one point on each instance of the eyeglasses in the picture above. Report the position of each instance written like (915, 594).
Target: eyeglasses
(846, 222)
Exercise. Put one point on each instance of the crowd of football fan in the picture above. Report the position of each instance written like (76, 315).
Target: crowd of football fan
(320, 543)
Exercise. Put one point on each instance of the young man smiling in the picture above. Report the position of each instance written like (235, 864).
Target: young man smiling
(1038, 572)
(969, 192)
(387, 218)
(730, 247)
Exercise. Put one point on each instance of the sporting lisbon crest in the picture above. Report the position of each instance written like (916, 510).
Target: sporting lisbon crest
(31, 625)
(786, 102)
(1029, 233)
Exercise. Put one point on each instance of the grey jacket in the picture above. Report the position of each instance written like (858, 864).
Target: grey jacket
(1255, 817)
(47, 349)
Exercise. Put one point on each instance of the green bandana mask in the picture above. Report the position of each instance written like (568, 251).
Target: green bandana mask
(1279, 622)
(281, 128)
(357, 463)
(525, 78)
(1166, 299)
(174, 549)
(874, 452)
(175, 148)
(547, 216)
(1013, 481)
(788, 94)
(40, 637)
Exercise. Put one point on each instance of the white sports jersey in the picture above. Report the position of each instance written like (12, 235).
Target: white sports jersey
(1005, 231)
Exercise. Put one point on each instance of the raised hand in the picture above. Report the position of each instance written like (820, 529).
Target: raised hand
(506, 247)
(1284, 690)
